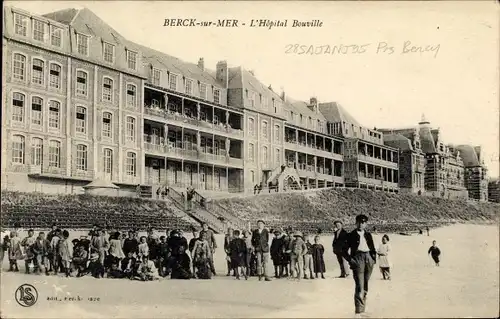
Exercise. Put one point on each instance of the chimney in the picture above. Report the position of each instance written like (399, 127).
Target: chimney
(222, 73)
(201, 64)
(283, 95)
(477, 149)
(313, 102)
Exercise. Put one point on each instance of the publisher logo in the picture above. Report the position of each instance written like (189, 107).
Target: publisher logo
(26, 295)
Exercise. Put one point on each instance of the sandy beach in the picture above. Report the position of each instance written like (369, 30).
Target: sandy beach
(466, 285)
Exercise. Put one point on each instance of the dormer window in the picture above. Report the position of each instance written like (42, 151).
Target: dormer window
(20, 24)
(108, 52)
(82, 44)
(38, 30)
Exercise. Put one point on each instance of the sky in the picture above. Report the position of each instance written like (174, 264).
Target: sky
(455, 83)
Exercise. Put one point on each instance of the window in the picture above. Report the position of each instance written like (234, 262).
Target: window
(82, 44)
(203, 91)
(54, 108)
(81, 120)
(251, 126)
(277, 155)
(107, 124)
(55, 76)
(131, 60)
(252, 99)
(252, 176)
(108, 161)
(131, 164)
(131, 95)
(36, 110)
(277, 133)
(20, 24)
(264, 132)
(81, 157)
(156, 77)
(18, 149)
(19, 67)
(18, 107)
(264, 102)
(55, 36)
(130, 129)
(173, 81)
(108, 52)
(36, 151)
(189, 87)
(81, 83)
(217, 96)
(37, 73)
(251, 152)
(107, 90)
(54, 154)
(264, 155)
(38, 30)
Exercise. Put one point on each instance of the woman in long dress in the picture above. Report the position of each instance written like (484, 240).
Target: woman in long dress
(318, 260)
(383, 257)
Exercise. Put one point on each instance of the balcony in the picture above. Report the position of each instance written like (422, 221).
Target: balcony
(376, 182)
(377, 161)
(308, 149)
(175, 118)
(192, 154)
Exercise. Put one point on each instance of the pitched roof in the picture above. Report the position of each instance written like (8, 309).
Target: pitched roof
(302, 107)
(427, 142)
(398, 141)
(64, 16)
(241, 78)
(469, 155)
(87, 22)
(334, 112)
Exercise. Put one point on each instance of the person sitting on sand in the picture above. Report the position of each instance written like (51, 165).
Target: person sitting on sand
(147, 270)
(434, 252)
(181, 266)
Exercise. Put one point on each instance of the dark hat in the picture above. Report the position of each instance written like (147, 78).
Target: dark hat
(361, 219)
(261, 221)
(277, 231)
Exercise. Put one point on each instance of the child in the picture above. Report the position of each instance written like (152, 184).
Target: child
(66, 253)
(80, 260)
(201, 257)
(147, 270)
(54, 248)
(287, 242)
(192, 242)
(181, 266)
(163, 255)
(251, 267)
(115, 272)
(237, 251)
(41, 249)
(383, 257)
(298, 249)
(434, 252)
(129, 264)
(308, 262)
(29, 256)
(277, 254)
(143, 248)
(317, 256)
(15, 251)
(115, 249)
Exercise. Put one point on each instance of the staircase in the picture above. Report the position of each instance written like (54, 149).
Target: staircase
(281, 175)
(146, 191)
(197, 212)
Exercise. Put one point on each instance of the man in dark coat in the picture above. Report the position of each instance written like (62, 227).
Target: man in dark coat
(260, 241)
(339, 245)
(362, 256)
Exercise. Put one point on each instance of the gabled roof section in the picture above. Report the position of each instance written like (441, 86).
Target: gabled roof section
(176, 65)
(398, 141)
(427, 141)
(64, 16)
(334, 112)
(249, 81)
(302, 107)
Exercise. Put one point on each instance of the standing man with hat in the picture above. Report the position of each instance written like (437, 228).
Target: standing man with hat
(362, 256)
(339, 245)
(260, 241)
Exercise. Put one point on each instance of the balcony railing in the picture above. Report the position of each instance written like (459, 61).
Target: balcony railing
(377, 161)
(177, 117)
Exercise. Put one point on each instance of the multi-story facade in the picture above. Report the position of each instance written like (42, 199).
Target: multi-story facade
(368, 162)
(494, 191)
(475, 177)
(443, 167)
(83, 103)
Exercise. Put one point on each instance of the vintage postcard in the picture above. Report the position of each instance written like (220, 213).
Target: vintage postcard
(253, 159)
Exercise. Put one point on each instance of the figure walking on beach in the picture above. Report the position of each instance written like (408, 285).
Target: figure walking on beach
(362, 256)
(434, 252)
